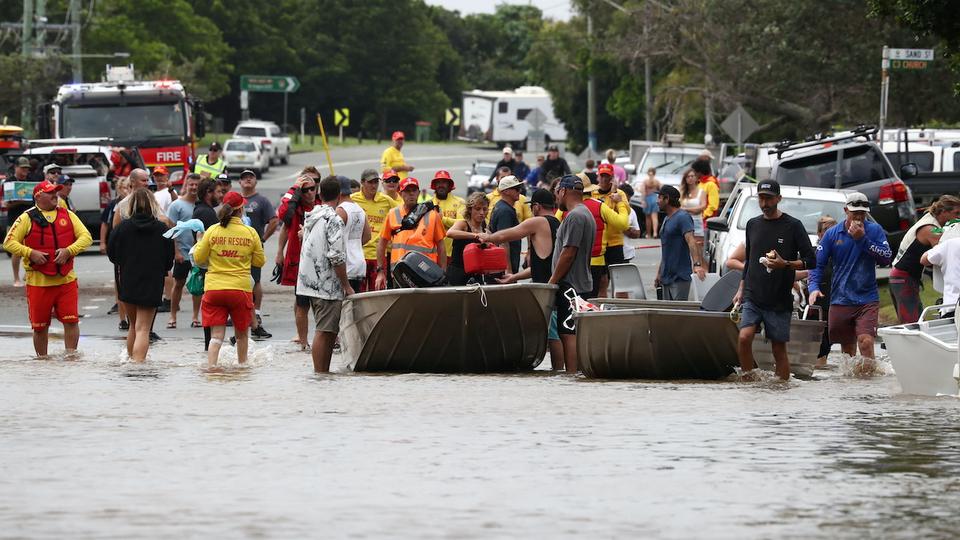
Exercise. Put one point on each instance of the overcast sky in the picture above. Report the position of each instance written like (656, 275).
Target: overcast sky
(555, 9)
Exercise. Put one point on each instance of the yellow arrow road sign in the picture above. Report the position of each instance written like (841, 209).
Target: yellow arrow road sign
(341, 117)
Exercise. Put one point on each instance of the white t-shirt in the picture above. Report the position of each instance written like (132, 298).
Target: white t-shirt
(353, 239)
(946, 255)
(164, 199)
(628, 250)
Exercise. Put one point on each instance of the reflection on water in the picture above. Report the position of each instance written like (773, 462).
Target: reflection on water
(104, 447)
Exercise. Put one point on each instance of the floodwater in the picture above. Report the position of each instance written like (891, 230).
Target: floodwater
(101, 448)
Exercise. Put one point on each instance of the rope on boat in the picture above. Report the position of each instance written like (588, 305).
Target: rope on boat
(483, 294)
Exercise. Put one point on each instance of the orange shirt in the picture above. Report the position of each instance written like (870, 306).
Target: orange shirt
(427, 238)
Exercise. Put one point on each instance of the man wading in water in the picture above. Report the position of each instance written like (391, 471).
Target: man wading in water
(777, 246)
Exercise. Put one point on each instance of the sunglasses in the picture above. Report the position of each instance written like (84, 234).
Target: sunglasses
(859, 204)
(372, 181)
(392, 181)
(306, 189)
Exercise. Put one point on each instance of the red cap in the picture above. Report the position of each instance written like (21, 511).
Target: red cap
(234, 199)
(440, 176)
(409, 181)
(389, 173)
(605, 168)
(397, 135)
(46, 187)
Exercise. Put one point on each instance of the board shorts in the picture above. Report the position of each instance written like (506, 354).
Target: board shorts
(327, 314)
(552, 332)
(216, 306)
(651, 205)
(614, 255)
(848, 322)
(181, 270)
(43, 302)
(905, 292)
(776, 324)
(369, 282)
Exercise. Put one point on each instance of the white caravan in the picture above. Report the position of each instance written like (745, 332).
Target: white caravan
(504, 117)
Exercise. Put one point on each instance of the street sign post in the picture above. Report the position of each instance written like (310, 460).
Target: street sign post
(452, 119)
(341, 119)
(271, 84)
(897, 59)
(536, 136)
(739, 125)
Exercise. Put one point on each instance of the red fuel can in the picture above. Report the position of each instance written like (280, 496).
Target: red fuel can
(484, 259)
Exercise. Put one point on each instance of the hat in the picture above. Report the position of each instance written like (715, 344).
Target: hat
(508, 182)
(768, 187)
(858, 202)
(247, 172)
(160, 169)
(571, 181)
(409, 181)
(23, 162)
(46, 187)
(369, 174)
(234, 199)
(442, 175)
(671, 193)
(222, 177)
(388, 174)
(64, 179)
(46, 168)
(215, 146)
(605, 168)
(397, 135)
(508, 150)
(346, 187)
(543, 197)
(588, 186)
(553, 148)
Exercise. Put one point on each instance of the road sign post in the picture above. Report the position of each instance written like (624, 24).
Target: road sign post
(739, 125)
(897, 59)
(452, 119)
(284, 84)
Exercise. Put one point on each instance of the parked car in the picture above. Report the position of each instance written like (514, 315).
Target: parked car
(87, 164)
(246, 153)
(852, 161)
(271, 137)
(478, 177)
(669, 161)
(728, 229)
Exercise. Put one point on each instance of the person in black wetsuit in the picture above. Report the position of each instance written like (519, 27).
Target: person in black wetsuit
(541, 234)
(467, 231)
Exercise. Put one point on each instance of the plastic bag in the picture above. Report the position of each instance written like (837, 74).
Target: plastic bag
(195, 281)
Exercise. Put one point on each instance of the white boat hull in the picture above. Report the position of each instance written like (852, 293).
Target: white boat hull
(923, 355)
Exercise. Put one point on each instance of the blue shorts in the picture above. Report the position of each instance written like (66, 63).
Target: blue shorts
(652, 207)
(776, 324)
(552, 332)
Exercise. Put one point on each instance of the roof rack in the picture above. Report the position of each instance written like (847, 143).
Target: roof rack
(867, 132)
(96, 141)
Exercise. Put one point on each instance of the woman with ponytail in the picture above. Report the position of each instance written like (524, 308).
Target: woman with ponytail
(229, 249)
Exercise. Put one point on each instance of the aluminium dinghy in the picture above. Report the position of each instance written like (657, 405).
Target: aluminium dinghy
(470, 329)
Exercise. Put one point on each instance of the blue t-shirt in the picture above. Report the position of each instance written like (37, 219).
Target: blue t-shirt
(675, 255)
(854, 263)
(182, 210)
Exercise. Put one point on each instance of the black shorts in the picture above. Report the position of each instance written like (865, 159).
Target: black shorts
(301, 301)
(255, 272)
(355, 284)
(564, 311)
(181, 270)
(614, 255)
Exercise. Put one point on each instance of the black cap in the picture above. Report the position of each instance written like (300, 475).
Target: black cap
(670, 192)
(768, 187)
(215, 146)
(223, 178)
(543, 197)
(248, 172)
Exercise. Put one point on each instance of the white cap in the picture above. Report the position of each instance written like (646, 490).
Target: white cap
(508, 182)
(508, 150)
(858, 202)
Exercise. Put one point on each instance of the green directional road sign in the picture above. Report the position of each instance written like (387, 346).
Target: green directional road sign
(269, 83)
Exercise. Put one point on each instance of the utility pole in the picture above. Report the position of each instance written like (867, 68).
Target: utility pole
(647, 76)
(591, 91)
(26, 44)
(74, 22)
(708, 116)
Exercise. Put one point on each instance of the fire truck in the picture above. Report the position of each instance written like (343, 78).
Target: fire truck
(158, 117)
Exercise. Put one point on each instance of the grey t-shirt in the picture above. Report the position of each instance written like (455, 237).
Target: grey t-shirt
(577, 229)
(260, 212)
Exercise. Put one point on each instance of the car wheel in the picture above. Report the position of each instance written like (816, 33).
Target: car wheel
(285, 159)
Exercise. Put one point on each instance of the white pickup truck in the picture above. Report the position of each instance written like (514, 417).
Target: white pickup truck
(90, 167)
(271, 137)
